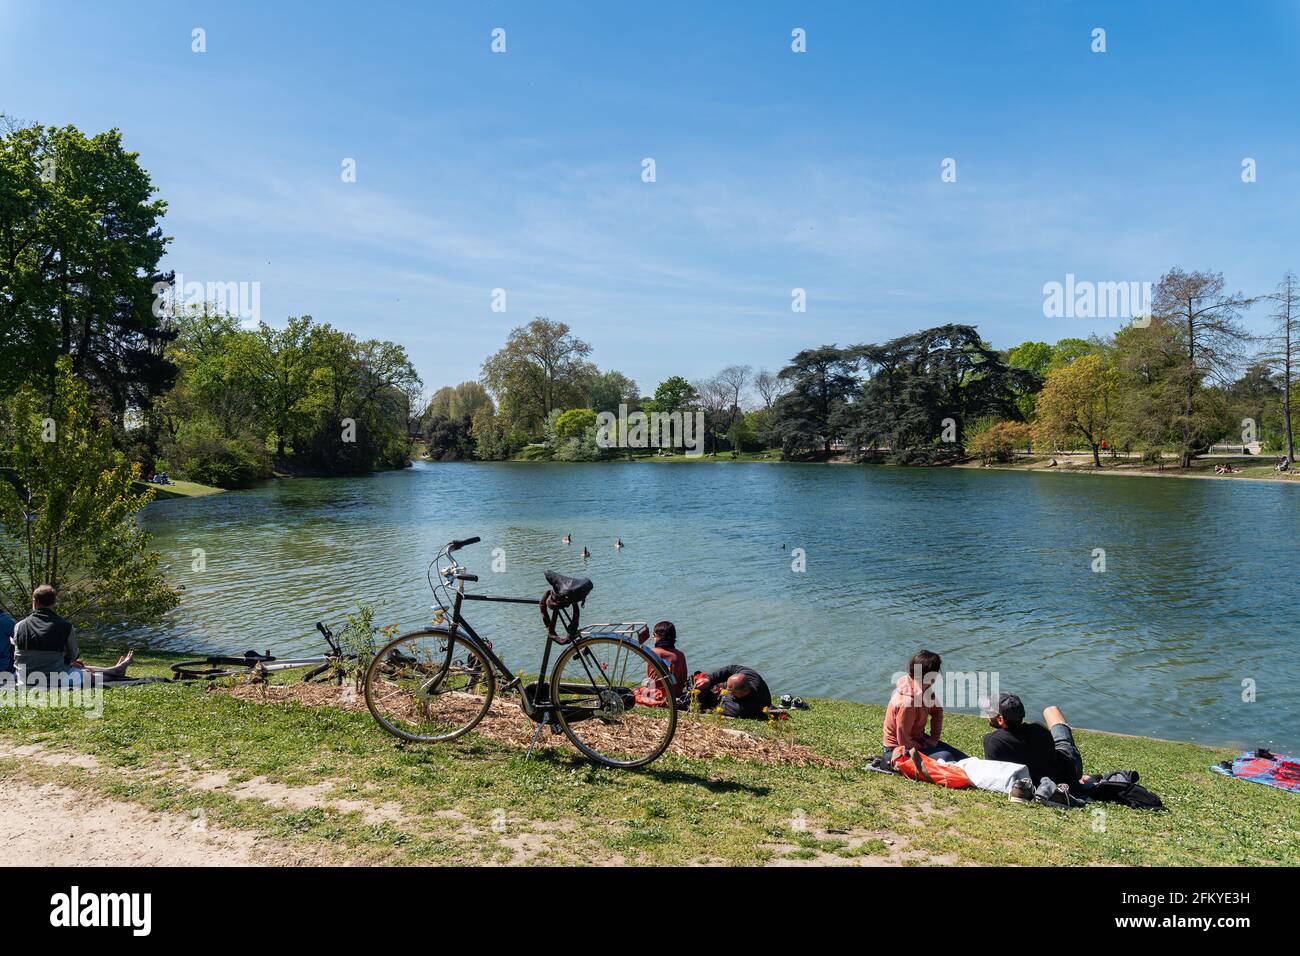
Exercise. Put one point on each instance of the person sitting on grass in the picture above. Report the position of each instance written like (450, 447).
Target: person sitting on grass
(746, 693)
(6, 644)
(651, 693)
(46, 653)
(1049, 752)
(913, 704)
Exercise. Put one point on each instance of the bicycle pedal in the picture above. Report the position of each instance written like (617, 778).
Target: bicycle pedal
(556, 729)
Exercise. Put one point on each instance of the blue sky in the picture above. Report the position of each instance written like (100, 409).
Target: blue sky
(775, 170)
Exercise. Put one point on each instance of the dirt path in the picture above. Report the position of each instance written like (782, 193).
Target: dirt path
(51, 825)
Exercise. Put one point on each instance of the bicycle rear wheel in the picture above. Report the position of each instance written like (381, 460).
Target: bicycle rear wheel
(594, 688)
(428, 686)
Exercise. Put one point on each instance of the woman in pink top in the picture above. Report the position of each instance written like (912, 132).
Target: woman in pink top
(914, 704)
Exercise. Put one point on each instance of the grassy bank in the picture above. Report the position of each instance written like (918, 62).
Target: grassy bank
(1247, 468)
(179, 489)
(328, 780)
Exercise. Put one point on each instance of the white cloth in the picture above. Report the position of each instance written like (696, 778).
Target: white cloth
(995, 775)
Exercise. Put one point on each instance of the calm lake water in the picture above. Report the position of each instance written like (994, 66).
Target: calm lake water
(991, 569)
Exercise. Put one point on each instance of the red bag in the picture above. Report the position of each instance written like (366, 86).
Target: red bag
(917, 766)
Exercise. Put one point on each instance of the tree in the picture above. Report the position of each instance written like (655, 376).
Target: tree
(1148, 394)
(449, 439)
(1282, 351)
(80, 246)
(458, 401)
(1211, 339)
(820, 381)
(571, 435)
(923, 389)
(69, 510)
(674, 394)
(714, 397)
(1066, 351)
(1078, 400)
(541, 368)
(611, 389)
(281, 364)
(574, 422)
(1033, 357)
(769, 387)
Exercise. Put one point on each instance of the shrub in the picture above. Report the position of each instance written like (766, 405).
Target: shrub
(200, 452)
(999, 441)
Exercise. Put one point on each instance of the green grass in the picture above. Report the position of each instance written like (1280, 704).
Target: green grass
(441, 801)
(179, 489)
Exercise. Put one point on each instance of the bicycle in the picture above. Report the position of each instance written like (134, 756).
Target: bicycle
(332, 666)
(435, 685)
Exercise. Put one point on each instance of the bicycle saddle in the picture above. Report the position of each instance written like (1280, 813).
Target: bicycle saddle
(569, 590)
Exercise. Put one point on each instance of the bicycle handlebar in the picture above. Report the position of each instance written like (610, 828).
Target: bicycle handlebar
(463, 543)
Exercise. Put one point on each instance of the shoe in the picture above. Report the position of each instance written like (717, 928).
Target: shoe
(1053, 794)
(1022, 791)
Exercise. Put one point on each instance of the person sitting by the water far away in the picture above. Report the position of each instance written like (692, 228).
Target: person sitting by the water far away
(911, 706)
(651, 693)
(746, 693)
(1049, 752)
(46, 652)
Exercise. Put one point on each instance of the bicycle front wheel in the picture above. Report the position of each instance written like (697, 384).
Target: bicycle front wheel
(429, 686)
(595, 686)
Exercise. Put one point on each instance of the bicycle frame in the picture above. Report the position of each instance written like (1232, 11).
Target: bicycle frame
(536, 709)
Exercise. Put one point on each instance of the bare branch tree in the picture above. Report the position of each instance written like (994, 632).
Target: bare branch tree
(1282, 349)
(1211, 339)
(715, 399)
(770, 387)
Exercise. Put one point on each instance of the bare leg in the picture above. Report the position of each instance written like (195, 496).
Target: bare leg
(118, 670)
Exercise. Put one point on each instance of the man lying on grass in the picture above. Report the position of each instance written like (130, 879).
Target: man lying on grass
(46, 653)
(1049, 752)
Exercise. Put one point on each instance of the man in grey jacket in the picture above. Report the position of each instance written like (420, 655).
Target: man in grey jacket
(46, 653)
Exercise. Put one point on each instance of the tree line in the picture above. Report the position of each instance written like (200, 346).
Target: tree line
(187, 388)
(1174, 382)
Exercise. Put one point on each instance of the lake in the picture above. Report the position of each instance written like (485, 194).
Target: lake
(992, 569)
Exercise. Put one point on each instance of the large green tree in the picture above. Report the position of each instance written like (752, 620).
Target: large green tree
(80, 246)
(68, 511)
(820, 382)
(542, 367)
(923, 391)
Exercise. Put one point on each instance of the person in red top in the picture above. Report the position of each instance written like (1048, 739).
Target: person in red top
(650, 693)
(913, 705)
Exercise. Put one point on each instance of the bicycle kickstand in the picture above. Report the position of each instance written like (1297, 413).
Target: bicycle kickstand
(541, 724)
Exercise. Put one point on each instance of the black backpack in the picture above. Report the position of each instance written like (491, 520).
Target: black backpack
(1121, 786)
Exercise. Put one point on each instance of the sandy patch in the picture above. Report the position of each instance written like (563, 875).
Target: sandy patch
(48, 825)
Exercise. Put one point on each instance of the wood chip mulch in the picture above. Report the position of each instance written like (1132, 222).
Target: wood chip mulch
(698, 738)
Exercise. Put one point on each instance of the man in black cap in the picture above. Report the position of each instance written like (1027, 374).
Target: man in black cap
(1049, 752)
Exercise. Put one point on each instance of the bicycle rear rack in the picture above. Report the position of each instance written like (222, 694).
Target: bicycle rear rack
(635, 632)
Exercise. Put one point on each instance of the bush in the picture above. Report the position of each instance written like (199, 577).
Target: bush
(999, 441)
(200, 452)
